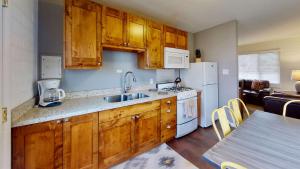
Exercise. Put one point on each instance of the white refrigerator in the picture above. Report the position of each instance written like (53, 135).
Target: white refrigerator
(204, 76)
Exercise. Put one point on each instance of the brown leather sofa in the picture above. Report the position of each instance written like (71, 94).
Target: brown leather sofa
(275, 102)
(254, 91)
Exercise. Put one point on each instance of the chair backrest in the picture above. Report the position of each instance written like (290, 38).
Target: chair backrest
(224, 123)
(231, 165)
(286, 105)
(234, 104)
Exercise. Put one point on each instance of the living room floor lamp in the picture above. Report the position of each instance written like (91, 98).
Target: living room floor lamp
(296, 77)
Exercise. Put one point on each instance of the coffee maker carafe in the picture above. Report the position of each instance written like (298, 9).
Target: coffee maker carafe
(50, 94)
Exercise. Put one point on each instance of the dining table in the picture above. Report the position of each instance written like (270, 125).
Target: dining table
(263, 141)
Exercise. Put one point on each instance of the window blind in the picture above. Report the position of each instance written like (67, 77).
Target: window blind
(260, 66)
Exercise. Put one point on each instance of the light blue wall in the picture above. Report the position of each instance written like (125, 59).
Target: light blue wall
(107, 76)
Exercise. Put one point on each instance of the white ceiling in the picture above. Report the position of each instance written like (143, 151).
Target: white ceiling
(259, 20)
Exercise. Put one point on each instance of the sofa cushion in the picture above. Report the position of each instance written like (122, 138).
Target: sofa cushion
(257, 85)
(247, 84)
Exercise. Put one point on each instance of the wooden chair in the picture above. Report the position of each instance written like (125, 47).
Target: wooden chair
(234, 104)
(231, 165)
(224, 123)
(286, 105)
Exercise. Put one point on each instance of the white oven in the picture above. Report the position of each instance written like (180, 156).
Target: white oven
(187, 114)
(176, 58)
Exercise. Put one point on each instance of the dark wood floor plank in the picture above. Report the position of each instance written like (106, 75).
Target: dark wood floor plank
(192, 146)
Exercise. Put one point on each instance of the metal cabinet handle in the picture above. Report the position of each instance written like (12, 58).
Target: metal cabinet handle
(58, 121)
(133, 117)
(168, 102)
(168, 126)
(137, 116)
(168, 111)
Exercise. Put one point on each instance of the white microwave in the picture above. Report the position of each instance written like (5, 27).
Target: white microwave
(176, 58)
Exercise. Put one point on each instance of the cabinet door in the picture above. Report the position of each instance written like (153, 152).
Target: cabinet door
(136, 31)
(182, 38)
(82, 35)
(147, 130)
(170, 37)
(113, 22)
(37, 146)
(80, 142)
(155, 57)
(115, 141)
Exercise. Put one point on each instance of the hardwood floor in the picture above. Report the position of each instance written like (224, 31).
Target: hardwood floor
(192, 146)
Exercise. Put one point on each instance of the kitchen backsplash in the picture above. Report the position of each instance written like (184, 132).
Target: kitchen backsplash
(109, 75)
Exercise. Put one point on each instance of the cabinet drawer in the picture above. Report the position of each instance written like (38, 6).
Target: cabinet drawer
(168, 132)
(168, 104)
(168, 117)
(144, 107)
(168, 125)
(113, 114)
(109, 115)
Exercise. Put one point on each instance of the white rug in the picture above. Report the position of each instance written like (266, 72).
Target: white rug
(162, 157)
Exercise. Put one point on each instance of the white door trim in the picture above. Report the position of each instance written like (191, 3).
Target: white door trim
(5, 146)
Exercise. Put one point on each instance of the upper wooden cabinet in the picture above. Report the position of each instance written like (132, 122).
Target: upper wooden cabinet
(170, 37)
(113, 27)
(82, 35)
(123, 30)
(37, 146)
(80, 142)
(175, 38)
(182, 39)
(153, 57)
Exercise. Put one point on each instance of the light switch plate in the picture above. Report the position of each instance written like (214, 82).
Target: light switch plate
(225, 71)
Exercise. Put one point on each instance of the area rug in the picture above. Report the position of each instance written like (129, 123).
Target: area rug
(161, 157)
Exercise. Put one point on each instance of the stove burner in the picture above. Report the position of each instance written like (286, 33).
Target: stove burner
(177, 89)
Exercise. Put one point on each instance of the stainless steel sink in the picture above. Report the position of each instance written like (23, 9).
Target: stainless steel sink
(125, 97)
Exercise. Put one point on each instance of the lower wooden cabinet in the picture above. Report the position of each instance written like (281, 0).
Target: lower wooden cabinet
(38, 146)
(96, 140)
(80, 142)
(68, 143)
(115, 141)
(147, 130)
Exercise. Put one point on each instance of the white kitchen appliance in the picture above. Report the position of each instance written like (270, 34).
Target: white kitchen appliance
(176, 58)
(187, 115)
(49, 93)
(204, 76)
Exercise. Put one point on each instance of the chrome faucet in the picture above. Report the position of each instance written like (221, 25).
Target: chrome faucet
(127, 84)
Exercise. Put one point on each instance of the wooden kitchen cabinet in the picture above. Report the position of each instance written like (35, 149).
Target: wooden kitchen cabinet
(38, 146)
(175, 38)
(82, 41)
(116, 140)
(153, 58)
(122, 30)
(80, 142)
(70, 144)
(113, 27)
(182, 40)
(170, 37)
(168, 118)
(147, 130)
(136, 31)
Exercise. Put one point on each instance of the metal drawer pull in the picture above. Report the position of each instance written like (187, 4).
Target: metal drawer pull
(133, 117)
(168, 102)
(137, 116)
(168, 126)
(168, 111)
(58, 121)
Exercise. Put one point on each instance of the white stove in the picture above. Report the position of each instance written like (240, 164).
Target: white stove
(187, 115)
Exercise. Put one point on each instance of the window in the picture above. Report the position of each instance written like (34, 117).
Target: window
(260, 66)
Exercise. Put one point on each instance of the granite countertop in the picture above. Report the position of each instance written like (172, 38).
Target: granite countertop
(78, 106)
